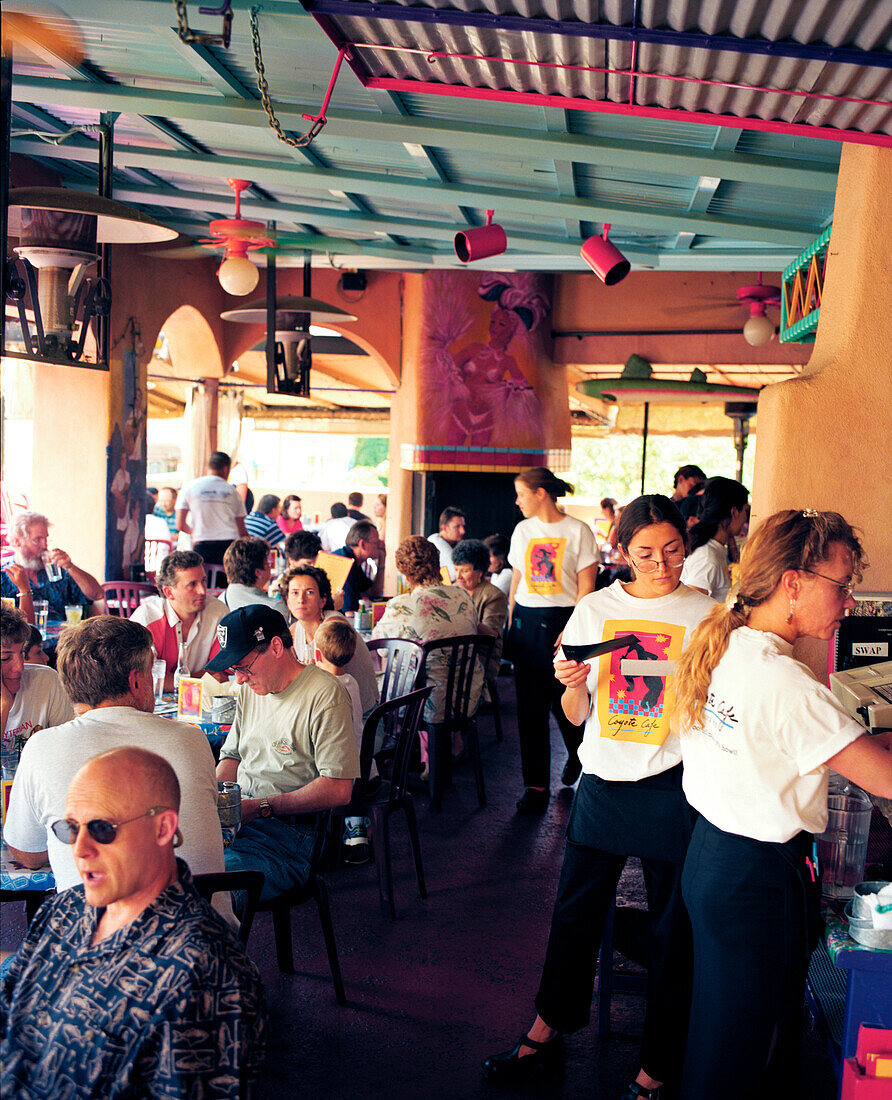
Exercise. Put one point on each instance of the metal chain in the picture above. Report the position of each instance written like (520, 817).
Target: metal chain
(263, 88)
(198, 37)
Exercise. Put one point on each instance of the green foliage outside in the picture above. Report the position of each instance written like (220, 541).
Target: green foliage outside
(370, 460)
(611, 466)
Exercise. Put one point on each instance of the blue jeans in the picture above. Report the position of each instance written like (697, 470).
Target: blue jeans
(281, 850)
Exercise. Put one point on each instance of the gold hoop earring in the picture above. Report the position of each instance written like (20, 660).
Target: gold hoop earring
(789, 617)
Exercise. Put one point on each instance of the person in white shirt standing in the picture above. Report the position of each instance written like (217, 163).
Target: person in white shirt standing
(555, 564)
(451, 532)
(217, 510)
(722, 513)
(759, 735)
(184, 614)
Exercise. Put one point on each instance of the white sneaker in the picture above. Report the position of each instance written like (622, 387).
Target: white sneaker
(356, 841)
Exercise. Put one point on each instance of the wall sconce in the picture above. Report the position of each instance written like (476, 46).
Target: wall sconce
(605, 259)
(478, 244)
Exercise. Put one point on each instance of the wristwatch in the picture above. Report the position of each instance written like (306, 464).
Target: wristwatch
(265, 809)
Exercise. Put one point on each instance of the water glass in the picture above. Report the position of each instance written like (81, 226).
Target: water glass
(73, 613)
(159, 671)
(53, 572)
(41, 614)
(842, 847)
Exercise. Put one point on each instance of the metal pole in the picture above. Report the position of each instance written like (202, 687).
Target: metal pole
(644, 445)
(271, 320)
(106, 148)
(5, 124)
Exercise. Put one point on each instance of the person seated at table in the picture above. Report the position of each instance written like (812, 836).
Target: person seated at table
(263, 521)
(431, 610)
(28, 535)
(451, 532)
(336, 645)
(289, 519)
(301, 548)
(334, 530)
(31, 696)
(499, 572)
(131, 984)
(354, 503)
(166, 509)
(246, 562)
(291, 748)
(105, 666)
(365, 547)
(35, 654)
(471, 561)
(184, 612)
(307, 591)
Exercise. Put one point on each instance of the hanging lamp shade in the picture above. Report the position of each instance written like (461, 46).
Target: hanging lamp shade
(116, 223)
(289, 310)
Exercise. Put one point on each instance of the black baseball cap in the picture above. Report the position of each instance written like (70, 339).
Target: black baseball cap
(243, 630)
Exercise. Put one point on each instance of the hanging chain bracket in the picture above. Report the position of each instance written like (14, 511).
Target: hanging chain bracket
(191, 37)
(319, 120)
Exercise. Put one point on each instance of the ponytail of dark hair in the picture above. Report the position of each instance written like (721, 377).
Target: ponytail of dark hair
(645, 512)
(719, 496)
(540, 477)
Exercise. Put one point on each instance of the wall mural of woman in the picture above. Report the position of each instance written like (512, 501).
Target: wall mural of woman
(481, 393)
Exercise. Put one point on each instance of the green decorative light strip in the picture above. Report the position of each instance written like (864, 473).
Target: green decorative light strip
(803, 330)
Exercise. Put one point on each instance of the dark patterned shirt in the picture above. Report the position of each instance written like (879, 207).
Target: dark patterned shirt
(168, 1006)
(56, 593)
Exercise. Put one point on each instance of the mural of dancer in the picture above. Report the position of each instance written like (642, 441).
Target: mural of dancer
(478, 394)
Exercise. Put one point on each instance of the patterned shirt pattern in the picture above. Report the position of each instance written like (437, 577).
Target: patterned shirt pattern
(168, 1006)
(426, 613)
(262, 527)
(56, 593)
(170, 520)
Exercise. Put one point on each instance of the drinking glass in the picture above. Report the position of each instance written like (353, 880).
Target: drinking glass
(842, 847)
(159, 671)
(41, 614)
(73, 613)
(53, 571)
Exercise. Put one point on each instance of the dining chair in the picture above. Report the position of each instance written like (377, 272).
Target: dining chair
(462, 653)
(315, 889)
(378, 800)
(156, 551)
(402, 663)
(122, 598)
(213, 882)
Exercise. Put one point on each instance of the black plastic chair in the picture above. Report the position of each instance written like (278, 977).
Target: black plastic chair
(314, 888)
(403, 665)
(213, 882)
(400, 717)
(463, 653)
(216, 578)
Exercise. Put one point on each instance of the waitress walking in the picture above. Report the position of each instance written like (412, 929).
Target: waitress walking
(761, 735)
(629, 802)
(554, 560)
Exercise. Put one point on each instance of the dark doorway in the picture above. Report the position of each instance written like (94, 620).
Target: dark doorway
(486, 499)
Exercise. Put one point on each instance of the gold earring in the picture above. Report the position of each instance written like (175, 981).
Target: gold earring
(789, 618)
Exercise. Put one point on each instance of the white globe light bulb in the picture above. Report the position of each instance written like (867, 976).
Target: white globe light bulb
(238, 275)
(758, 330)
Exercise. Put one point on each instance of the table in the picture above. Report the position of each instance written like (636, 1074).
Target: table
(17, 883)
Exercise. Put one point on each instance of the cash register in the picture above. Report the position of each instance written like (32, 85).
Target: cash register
(866, 693)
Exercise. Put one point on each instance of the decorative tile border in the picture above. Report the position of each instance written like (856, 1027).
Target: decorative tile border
(416, 456)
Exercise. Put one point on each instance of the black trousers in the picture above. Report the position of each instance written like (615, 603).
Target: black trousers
(748, 913)
(531, 640)
(587, 886)
(212, 550)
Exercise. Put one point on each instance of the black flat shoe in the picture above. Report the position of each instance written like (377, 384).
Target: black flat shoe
(639, 1092)
(546, 1061)
(571, 771)
(533, 801)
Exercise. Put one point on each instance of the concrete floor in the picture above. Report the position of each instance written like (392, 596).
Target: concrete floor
(453, 978)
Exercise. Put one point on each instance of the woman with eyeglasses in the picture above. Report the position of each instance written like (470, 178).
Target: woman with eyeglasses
(722, 512)
(629, 801)
(759, 735)
(554, 559)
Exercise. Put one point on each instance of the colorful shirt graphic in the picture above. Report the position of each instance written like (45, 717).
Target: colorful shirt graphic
(636, 707)
(543, 563)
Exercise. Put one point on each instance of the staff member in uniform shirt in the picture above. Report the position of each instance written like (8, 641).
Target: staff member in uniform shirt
(722, 512)
(629, 802)
(555, 563)
(759, 734)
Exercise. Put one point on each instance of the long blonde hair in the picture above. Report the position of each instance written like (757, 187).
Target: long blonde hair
(787, 540)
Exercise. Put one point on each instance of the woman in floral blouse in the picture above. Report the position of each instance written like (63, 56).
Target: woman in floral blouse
(433, 609)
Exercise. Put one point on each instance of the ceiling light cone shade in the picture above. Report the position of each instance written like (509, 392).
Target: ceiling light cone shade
(606, 260)
(116, 223)
(237, 275)
(480, 243)
(289, 310)
(758, 330)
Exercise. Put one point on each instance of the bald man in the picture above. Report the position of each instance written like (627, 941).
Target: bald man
(130, 984)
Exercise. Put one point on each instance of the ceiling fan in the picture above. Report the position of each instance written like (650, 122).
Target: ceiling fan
(758, 329)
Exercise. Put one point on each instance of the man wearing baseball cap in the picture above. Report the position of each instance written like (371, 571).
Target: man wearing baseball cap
(291, 748)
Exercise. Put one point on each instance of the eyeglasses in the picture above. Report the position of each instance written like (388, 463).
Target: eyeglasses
(650, 565)
(246, 669)
(103, 832)
(846, 589)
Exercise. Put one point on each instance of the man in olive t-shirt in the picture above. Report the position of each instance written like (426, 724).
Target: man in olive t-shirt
(291, 748)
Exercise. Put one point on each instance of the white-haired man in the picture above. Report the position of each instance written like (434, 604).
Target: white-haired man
(28, 536)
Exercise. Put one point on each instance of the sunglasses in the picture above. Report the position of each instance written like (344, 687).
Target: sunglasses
(103, 832)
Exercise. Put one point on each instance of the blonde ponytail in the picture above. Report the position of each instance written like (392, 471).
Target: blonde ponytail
(706, 648)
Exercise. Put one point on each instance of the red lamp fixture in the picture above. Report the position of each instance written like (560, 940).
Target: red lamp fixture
(238, 236)
(758, 329)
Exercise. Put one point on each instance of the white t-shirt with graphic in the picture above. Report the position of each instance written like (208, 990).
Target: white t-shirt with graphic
(756, 766)
(40, 702)
(627, 730)
(707, 568)
(548, 557)
(215, 506)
